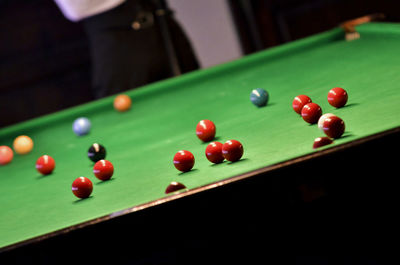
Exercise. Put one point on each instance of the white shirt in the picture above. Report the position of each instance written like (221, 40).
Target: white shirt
(76, 10)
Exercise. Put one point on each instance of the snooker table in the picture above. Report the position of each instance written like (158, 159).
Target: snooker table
(282, 189)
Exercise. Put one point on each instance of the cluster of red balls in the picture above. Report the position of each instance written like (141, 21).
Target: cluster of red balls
(82, 187)
(215, 152)
(330, 124)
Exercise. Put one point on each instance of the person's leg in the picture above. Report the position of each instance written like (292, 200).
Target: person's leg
(124, 57)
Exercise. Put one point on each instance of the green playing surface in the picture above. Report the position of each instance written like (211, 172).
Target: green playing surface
(142, 142)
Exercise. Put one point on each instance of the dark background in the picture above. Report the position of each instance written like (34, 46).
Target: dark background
(45, 61)
(266, 23)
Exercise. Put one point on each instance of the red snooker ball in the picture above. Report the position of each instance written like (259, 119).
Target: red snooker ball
(311, 113)
(183, 160)
(232, 150)
(45, 164)
(337, 97)
(103, 169)
(299, 102)
(6, 155)
(214, 152)
(174, 186)
(321, 141)
(82, 187)
(333, 127)
(205, 130)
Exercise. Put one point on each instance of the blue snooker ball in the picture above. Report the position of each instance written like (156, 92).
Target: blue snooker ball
(81, 126)
(259, 97)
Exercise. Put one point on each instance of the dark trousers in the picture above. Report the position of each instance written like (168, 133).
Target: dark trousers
(128, 50)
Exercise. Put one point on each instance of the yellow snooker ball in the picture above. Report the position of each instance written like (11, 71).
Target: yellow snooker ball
(23, 144)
